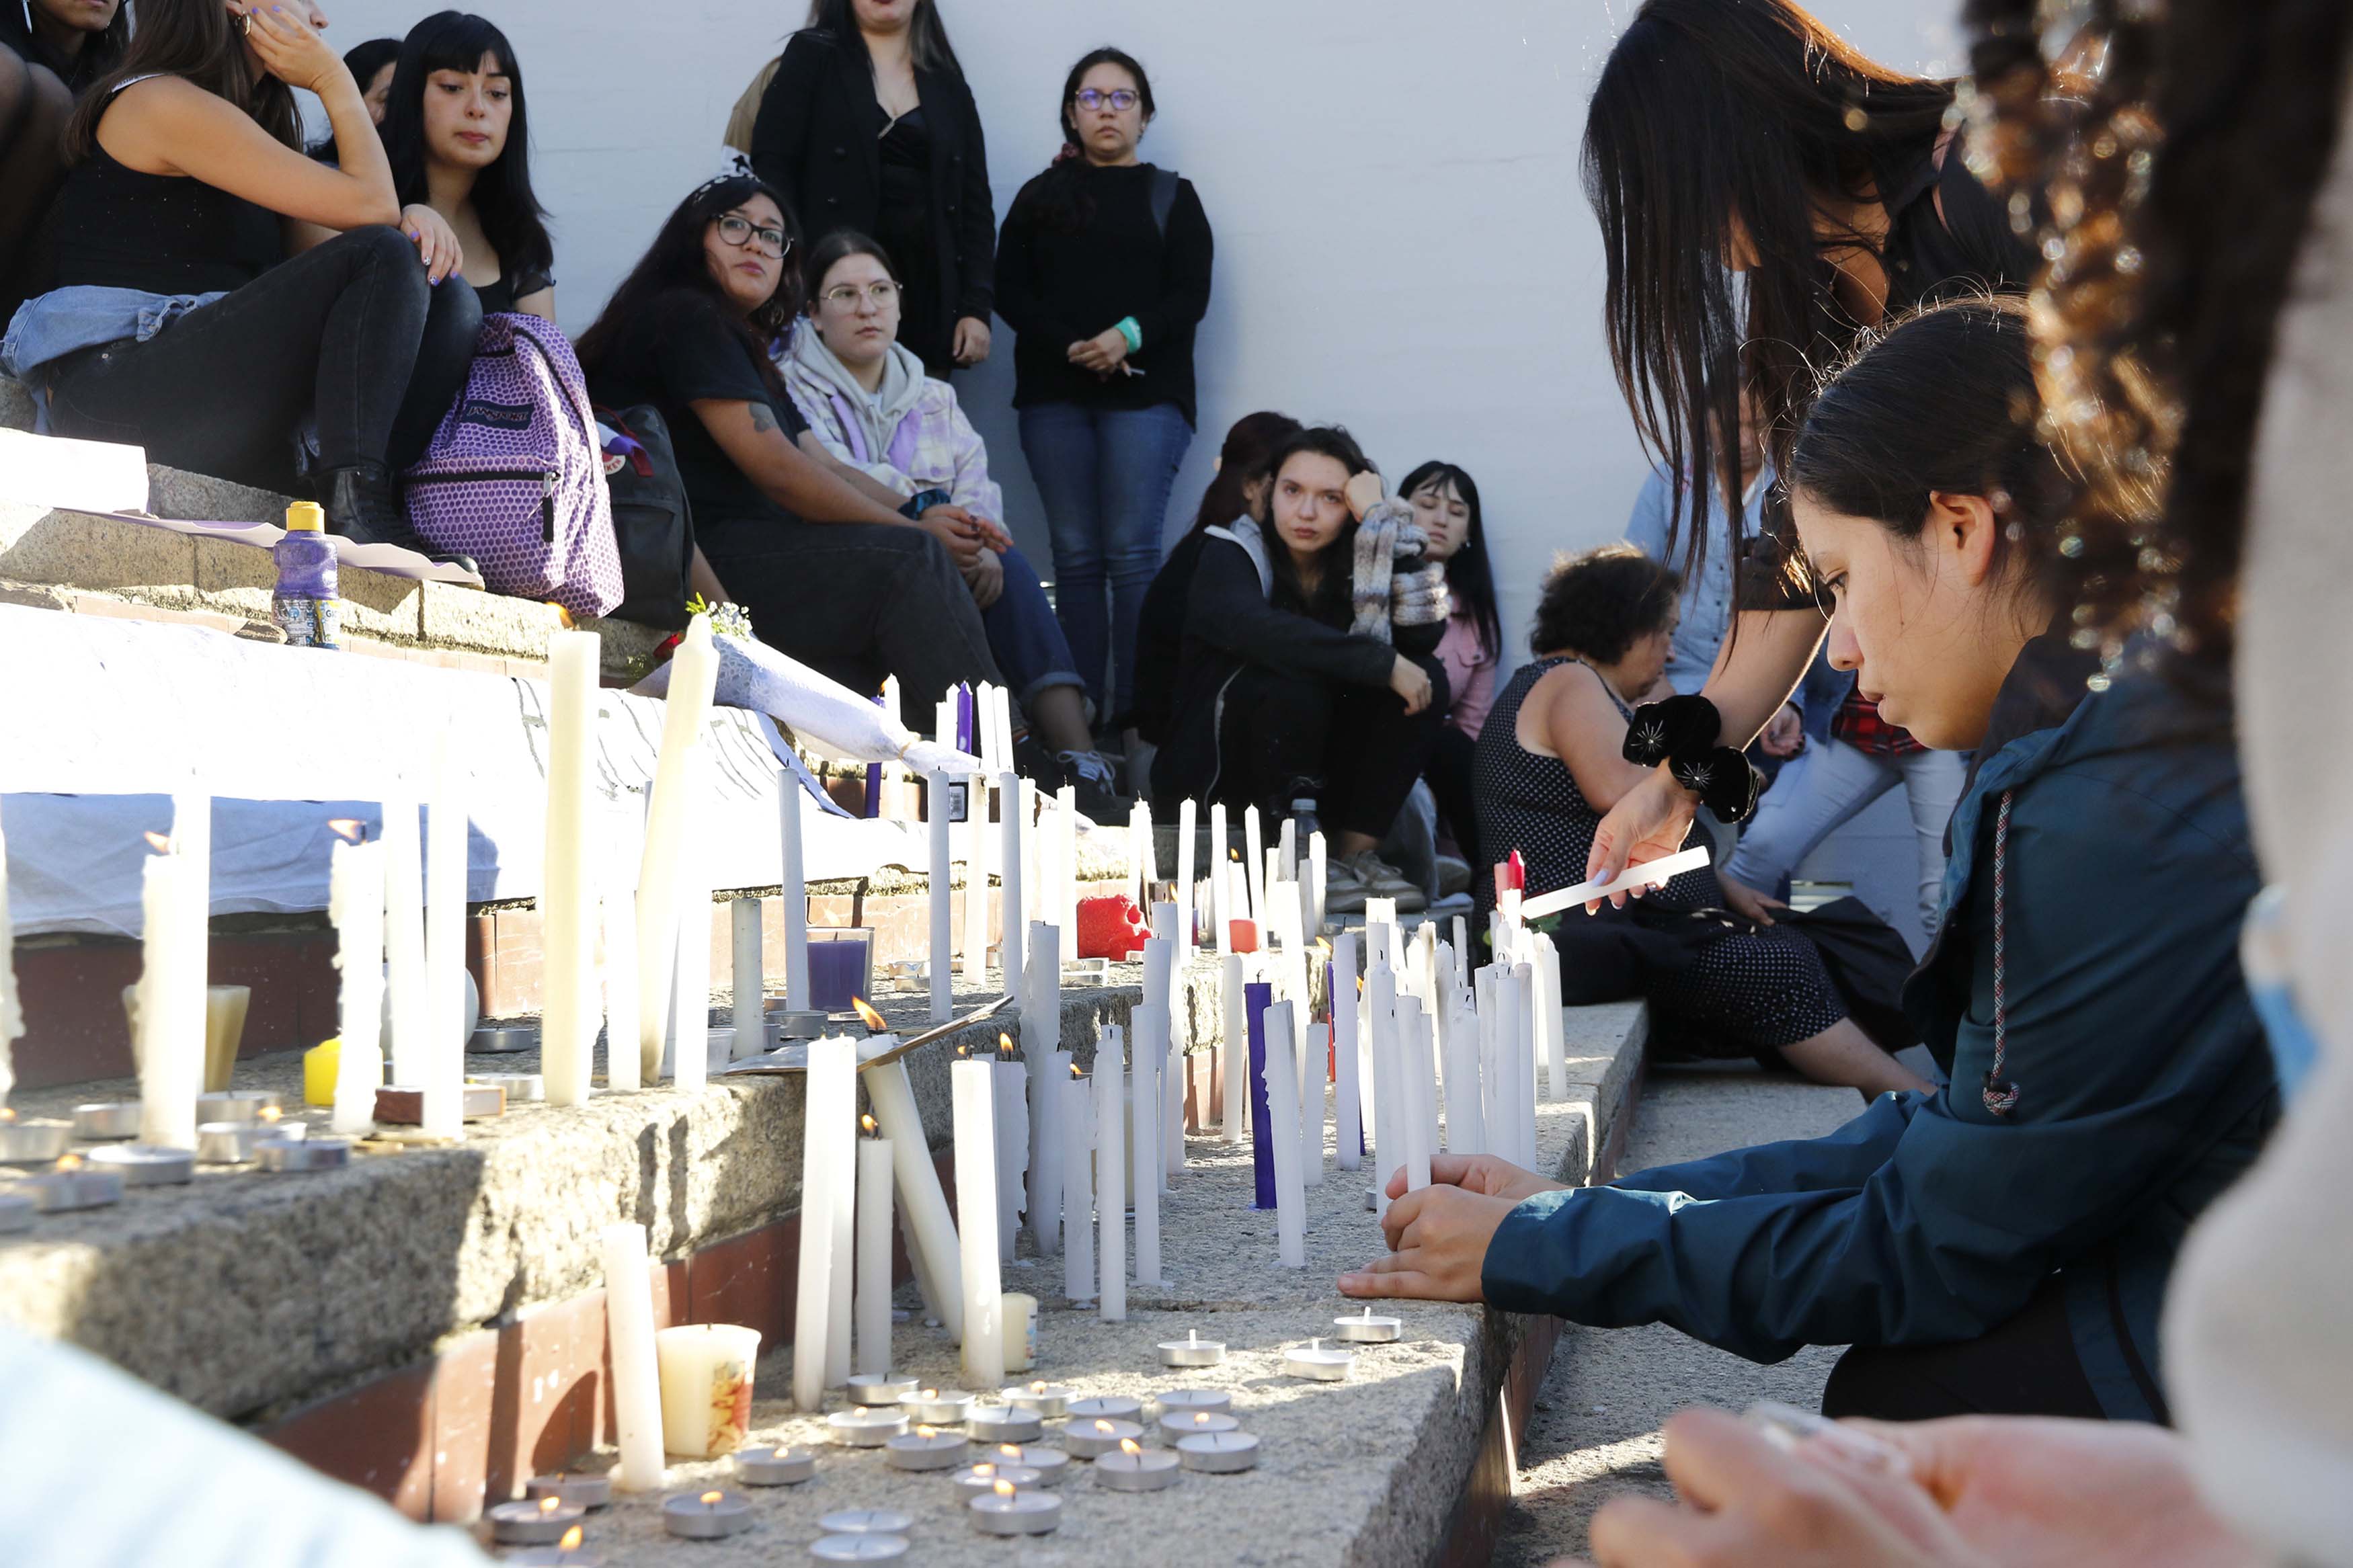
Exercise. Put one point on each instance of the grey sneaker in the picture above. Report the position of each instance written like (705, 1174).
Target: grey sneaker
(1453, 876)
(1379, 880)
(1344, 890)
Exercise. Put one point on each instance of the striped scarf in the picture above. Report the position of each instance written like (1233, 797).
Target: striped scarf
(1393, 584)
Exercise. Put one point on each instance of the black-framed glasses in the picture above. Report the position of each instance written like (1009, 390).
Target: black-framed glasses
(845, 296)
(740, 231)
(1121, 99)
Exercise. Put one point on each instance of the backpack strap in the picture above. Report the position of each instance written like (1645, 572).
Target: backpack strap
(1164, 198)
(2000, 1094)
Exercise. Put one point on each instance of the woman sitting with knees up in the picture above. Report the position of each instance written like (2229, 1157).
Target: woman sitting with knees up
(1722, 982)
(870, 404)
(1309, 685)
(49, 51)
(832, 575)
(1445, 501)
(189, 318)
(459, 142)
(2000, 1244)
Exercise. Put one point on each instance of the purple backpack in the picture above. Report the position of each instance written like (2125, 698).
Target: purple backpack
(515, 476)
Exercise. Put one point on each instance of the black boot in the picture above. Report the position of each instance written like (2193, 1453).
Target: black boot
(363, 505)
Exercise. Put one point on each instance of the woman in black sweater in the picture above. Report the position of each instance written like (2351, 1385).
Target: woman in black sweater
(868, 125)
(1309, 685)
(1103, 272)
(49, 51)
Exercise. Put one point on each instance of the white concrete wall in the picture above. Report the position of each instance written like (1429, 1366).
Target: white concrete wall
(1402, 243)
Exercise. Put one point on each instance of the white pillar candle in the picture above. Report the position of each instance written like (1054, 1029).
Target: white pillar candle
(445, 945)
(794, 890)
(706, 1387)
(1151, 1023)
(973, 1086)
(973, 954)
(1066, 857)
(1389, 1088)
(1287, 849)
(1012, 917)
(636, 1378)
(12, 1012)
(1139, 829)
(1523, 1072)
(840, 1274)
(931, 1229)
(1306, 1062)
(1234, 1049)
(1160, 1048)
(1111, 1171)
(567, 1025)
(830, 1102)
(1420, 1092)
(1221, 913)
(1506, 1049)
(1012, 1104)
(749, 991)
(1077, 1118)
(1282, 1113)
(172, 1034)
(1041, 1041)
(356, 905)
(693, 673)
(1254, 862)
(690, 1024)
(404, 936)
(622, 1066)
(1550, 1032)
(1185, 853)
(873, 1349)
(984, 727)
(1347, 1111)
(1466, 1116)
(936, 811)
(1317, 873)
(1005, 728)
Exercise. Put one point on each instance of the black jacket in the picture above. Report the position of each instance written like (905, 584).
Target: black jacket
(817, 140)
(1160, 639)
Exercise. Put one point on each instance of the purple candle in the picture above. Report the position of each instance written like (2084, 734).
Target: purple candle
(837, 972)
(1256, 999)
(964, 720)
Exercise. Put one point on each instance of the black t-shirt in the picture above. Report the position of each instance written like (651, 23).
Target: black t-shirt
(681, 350)
(100, 52)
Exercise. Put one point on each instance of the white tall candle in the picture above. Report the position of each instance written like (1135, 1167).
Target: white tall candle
(1077, 1118)
(1012, 919)
(404, 936)
(636, 1374)
(1185, 854)
(1254, 862)
(693, 673)
(873, 1355)
(1550, 1034)
(1317, 873)
(1221, 912)
(973, 1086)
(935, 810)
(1523, 1072)
(1506, 1049)
(1466, 1116)
(171, 1036)
(1012, 1104)
(1167, 1064)
(829, 1104)
(567, 1025)
(12, 1012)
(1306, 1063)
(795, 888)
(841, 1274)
(1234, 1049)
(1139, 833)
(1286, 845)
(1111, 1170)
(746, 982)
(1282, 1112)
(931, 1229)
(1151, 1024)
(972, 952)
(1041, 1041)
(1347, 1111)
(690, 1025)
(1388, 1087)
(1420, 1092)
(356, 905)
(445, 945)
(622, 1066)
(1066, 856)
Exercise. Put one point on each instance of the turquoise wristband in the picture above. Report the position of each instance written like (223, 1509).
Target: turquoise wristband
(1132, 332)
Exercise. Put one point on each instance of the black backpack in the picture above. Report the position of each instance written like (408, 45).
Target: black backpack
(651, 522)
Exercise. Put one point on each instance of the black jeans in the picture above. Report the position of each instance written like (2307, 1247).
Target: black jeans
(857, 601)
(1453, 762)
(1357, 741)
(349, 333)
(2025, 1367)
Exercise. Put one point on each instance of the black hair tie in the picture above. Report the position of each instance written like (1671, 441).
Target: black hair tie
(1678, 727)
(1723, 780)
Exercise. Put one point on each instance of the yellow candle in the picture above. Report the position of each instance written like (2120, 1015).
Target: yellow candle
(320, 1065)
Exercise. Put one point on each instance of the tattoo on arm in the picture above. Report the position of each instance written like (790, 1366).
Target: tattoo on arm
(763, 421)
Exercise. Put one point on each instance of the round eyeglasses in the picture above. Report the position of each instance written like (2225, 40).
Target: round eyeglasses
(845, 296)
(1121, 100)
(742, 232)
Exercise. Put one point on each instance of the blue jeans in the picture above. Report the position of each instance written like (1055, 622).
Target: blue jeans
(1105, 476)
(1024, 635)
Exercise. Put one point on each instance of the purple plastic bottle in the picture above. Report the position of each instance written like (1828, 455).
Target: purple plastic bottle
(304, 603)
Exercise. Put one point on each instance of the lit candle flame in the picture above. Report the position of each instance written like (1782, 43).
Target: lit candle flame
(68, 1161)
(571, 1541)
(1075, 1072)
(1128, 1446)
(1005, 1045)
(983, 1469)
(964, 1051)
(1010, 1450)
(930, 1393)
(872, 1019)
(860, 1410)
(712, 1499)
(868, 1122)
(927, 1431)
(1322, 947)
(348, 828)
(550, 1504)
(1200, 1419)
(1004, 1488)
(158, 843)
(1103, 1427)
(8, 1113)
(270, 1113)
(1039, 1387)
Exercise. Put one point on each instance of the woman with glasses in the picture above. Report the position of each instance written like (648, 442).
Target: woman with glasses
(843, 582)
(903, 433)
(1103, 273)
(868, 125)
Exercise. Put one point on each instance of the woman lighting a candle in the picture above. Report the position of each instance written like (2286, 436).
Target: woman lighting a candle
(2000, 1244)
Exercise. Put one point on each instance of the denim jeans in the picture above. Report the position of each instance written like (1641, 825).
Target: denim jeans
(1105, 476)
(1023, 635)
(1824, 787)
(349, 333)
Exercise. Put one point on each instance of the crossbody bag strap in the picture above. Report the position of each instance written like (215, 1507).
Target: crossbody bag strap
(2000, 1094)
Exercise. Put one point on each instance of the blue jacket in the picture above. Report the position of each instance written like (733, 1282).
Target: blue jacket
(2145, 1090)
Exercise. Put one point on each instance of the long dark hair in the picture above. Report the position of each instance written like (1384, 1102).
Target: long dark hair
(363, 60)
(1710, 111)
(511, 219)
(99, 53)
(927, 36)
(197, 41)
(1469, 573)
(1062, 205)
(1251, 442)
(1334, 584)
(677, 263)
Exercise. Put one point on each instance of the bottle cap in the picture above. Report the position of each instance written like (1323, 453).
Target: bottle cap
(305, 517)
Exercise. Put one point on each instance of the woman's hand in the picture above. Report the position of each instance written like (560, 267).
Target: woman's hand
(986, 578)
(291, 51)
(1747, 902)
(1648, 822)
(1410, 681)
(1364, 493)
(1103, 353)
(1784, 736)
(954, 527)
(988, 532)
(1482, 1173)
(972, 340)
(1438, 1240)
(436, 242)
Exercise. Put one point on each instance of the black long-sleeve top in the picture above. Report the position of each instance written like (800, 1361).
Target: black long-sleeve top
(1057, 282)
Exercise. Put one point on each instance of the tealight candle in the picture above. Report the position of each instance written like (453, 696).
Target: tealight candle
(521, 1087)
(865, 1522)
(503, 1039)
(1049, 1400)
(33, 1142)
(17, 1212)
(238, 1105)
(284, 1153)
(565, 1554)
(1003, 1424)
(1368, 1328)
(925, 1448)
(1217, 1401)
(1092, 1440)
(1137, 1469)
(580, 1491)
(1010, 1512)
(71, 1185)
(1314, 1360)
(710, 1517)
(861, 1427)
(1192, 1351)
(146, 1164)
(881, 1387)
(937, 1409)
(976, 1481)
(539, 1523)
(1177, 1424)
(859, 1548)
(775, 1467)
(231, 1143)
(1115, 1406)
(1050, 1464)
(102, 1119)
(1218, 1453)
